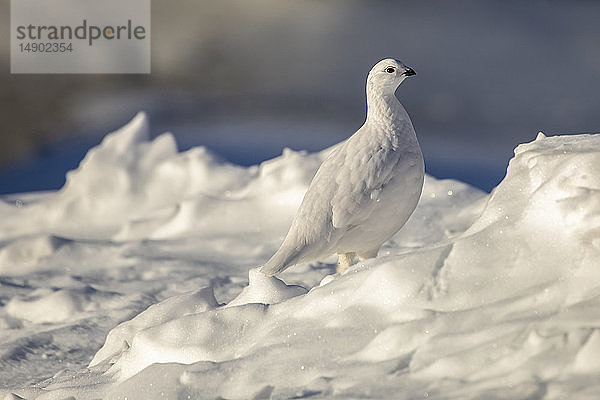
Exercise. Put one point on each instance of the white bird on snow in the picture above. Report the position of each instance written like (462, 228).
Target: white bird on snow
(366, 189)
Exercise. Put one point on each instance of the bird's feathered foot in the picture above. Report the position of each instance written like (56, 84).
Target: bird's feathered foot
(345, 260)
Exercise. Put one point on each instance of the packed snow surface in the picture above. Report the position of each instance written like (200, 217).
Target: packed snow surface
(139, 279)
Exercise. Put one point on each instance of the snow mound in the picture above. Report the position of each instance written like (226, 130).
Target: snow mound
(450, 313)
(174, 307)
(479, 296)
(52, 306)
(266, 290)
(25, 254)
(543, 218)
(130, 187)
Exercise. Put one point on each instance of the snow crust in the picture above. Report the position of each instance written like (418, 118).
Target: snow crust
(155, 253)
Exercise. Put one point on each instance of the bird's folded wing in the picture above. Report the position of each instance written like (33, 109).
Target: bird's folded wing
(364, 174)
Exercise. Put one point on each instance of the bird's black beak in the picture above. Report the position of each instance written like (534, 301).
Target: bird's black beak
(409, 72)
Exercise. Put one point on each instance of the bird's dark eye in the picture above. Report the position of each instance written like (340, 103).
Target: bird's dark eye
(390, 70)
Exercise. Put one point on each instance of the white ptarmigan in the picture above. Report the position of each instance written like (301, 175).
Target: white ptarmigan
(366, 189)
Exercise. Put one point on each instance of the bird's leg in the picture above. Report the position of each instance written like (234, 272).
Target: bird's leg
(345, 260)
(365, 255)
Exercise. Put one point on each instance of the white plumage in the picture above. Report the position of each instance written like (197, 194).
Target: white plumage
(366, 189)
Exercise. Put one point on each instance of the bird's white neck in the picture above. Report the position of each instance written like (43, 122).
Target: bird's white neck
(386, 114)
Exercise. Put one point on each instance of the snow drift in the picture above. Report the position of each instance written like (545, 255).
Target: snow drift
(479, 296)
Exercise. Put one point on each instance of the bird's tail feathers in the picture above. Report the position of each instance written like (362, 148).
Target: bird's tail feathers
(280, 261)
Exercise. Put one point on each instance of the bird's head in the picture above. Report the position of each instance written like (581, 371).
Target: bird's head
(387, 75)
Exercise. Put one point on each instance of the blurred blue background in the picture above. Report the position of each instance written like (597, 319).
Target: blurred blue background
(249, 78)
